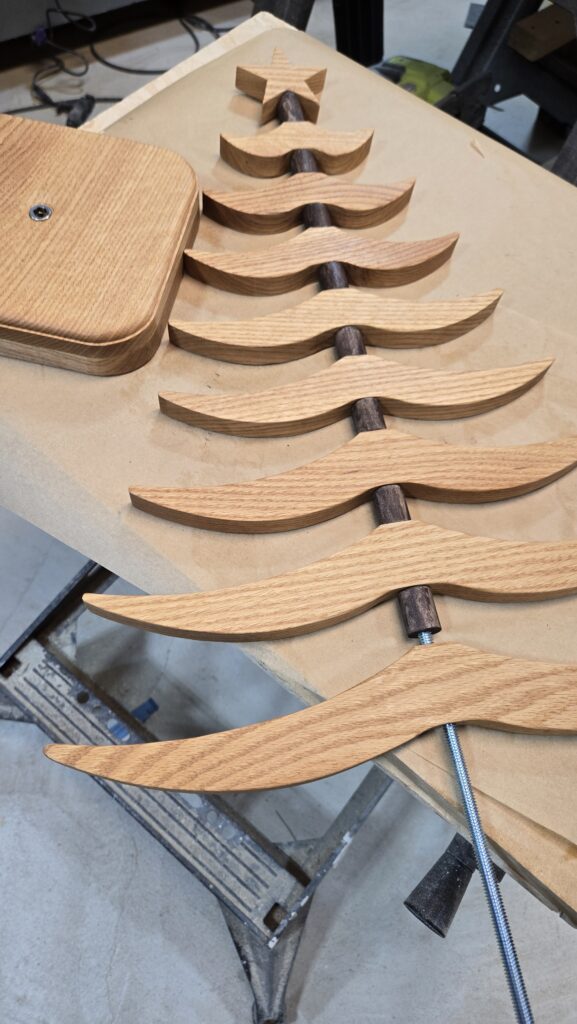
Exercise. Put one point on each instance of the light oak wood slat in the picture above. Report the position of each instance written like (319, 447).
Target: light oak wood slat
(301, 330)
(334, 589)
(327, 396)
(90, 287)
(267, 83)
(267, 155)
(423, 689)
(279, 207)
(292, 264)
(340, 481)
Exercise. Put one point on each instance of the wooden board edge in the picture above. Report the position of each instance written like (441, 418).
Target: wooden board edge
(110, 358)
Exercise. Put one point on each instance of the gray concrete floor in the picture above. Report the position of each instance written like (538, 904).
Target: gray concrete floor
(100, 925)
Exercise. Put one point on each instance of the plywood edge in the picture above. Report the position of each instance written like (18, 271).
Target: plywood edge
(114, 356)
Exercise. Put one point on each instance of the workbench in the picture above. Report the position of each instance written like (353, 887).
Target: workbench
(72, 444)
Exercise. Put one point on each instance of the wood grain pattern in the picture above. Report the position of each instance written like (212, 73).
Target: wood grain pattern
(280, 206)
(369, 262)
(90, 288)
(334, 589)
(340, 481)
(267, 155)
(327, 396)
(267, 83)
(424, 689)
(545, 862)
(301, 330)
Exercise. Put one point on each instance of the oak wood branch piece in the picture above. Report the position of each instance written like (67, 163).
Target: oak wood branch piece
(328, 396)
(340, 481)
(290, 265)
(280, 206)
(269, 154)
(301, 330)
(388, 560)
(423, 689)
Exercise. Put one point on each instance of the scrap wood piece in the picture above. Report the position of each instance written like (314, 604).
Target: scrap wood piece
(268, 154)
(369, 262)
(422, 690)
(390, 559)
(280, 206)
(268, 83)
(301, 330)
(542, 32)
(327, 396)
(338, 482)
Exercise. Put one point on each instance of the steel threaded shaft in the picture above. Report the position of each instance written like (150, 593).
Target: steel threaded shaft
(485, 865)
(490, 884)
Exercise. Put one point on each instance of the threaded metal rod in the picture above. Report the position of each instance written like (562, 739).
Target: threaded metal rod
(490, 885)
(333, 275)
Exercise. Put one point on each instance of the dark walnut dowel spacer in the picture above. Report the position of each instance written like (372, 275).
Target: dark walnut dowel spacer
(416, 604)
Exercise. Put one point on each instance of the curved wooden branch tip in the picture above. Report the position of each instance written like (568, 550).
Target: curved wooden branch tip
(389, 559)
(340, 481)
(301, 330)
(420, 691)
(267, 155)
(292, 264)
(280, 206)
(327, 396)
(267, 83)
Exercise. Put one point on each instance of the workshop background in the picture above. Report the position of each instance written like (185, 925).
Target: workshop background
(100, 924)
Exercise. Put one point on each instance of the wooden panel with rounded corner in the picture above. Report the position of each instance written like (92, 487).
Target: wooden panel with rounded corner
(88, 286)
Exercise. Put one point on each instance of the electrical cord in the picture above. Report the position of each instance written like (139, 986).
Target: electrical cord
(71, 62)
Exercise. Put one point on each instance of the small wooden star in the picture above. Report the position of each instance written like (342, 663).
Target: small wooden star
(268, 83)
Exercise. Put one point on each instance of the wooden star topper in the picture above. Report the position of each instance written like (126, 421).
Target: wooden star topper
(268, 83)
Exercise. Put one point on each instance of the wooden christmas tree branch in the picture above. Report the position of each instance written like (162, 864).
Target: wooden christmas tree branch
(340, 481)
(329, 395)
(418, 692)
(279, 207)
(391, 559)
(301, 330)
(370, 262)
(270, 154)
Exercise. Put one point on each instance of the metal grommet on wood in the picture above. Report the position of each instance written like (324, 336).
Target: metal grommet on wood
(40, 212)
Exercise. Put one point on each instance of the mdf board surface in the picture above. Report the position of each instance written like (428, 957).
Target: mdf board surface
(89, 287)
(76, 444)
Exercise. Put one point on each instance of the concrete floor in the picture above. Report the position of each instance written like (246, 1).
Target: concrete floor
(100, 925)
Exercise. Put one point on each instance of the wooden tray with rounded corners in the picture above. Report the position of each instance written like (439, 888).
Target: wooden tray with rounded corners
(88, 284)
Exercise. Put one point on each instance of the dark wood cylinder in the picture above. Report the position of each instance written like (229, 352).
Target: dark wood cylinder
(416, 604)
(316, 215)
